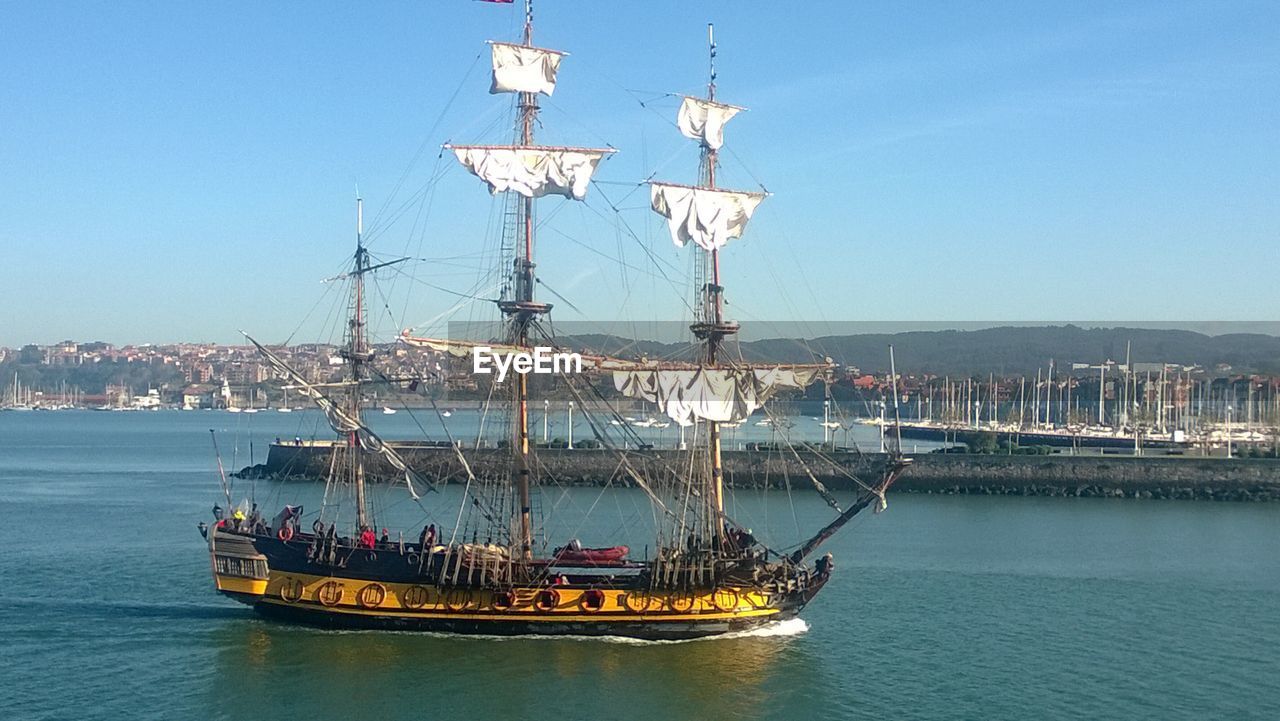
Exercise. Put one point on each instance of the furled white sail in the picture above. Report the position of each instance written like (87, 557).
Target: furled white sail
(532, 171)
(725, 395)
(703, 216)
(704, 120)
(521, 69)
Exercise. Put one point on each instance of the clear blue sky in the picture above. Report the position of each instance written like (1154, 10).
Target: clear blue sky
(172, 172)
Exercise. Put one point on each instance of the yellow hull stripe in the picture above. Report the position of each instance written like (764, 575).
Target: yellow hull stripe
(402, 600)
(235, 584)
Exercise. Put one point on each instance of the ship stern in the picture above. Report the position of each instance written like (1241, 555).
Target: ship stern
(239, 570)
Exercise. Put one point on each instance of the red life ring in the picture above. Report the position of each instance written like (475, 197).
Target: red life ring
(503, 600)
(547, 599)
(285, 533)
(592, 600)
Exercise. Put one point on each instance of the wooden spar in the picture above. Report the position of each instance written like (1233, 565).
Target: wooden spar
(829, 530)
(521, 317)
(355, 357)
(713, 298)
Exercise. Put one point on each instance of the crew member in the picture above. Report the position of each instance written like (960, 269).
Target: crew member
(824, 566)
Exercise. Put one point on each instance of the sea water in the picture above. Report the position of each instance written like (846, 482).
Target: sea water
(940, 607)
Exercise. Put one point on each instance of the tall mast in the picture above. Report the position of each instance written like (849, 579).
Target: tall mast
(713, 329)
(521, 316)
(357, 354)
(531, 171)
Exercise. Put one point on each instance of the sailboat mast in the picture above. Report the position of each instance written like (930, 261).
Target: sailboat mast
(357, 353)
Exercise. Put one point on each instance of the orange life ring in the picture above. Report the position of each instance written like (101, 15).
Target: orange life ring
(456, 599)
(285, 533)
(330, 594)
(680, 602)
(547, 599)
(415, 597)
(637, 601)
(372, 595)
(725, 599)
(592, 600)
(291, 590)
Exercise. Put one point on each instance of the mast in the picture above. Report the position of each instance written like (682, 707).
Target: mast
(714, 331)
(709, 217)
(521, 317)
(532, 171)
(357, 354)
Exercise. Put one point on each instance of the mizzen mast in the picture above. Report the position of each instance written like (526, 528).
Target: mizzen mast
(357, 354)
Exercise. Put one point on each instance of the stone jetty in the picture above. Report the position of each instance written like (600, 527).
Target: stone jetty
(1159, 477)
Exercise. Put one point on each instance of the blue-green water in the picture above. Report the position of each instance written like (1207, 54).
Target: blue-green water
(942, 608)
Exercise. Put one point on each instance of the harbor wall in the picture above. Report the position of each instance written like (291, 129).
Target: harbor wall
(1049, 475)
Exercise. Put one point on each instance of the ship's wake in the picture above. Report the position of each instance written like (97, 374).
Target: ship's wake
(777, 629)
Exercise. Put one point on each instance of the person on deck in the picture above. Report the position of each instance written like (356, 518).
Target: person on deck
(824, 566)
(386, 538)
(428, 537)
(367, 538)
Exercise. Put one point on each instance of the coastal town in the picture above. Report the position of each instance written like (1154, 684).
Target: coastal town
(102, 375)
(1110, 403)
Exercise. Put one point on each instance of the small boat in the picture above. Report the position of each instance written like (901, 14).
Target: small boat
(388, 411)
(568, 554)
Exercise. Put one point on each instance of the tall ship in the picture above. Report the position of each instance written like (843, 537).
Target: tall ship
(495, 571)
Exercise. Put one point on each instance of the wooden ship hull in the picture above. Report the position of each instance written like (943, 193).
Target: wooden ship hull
(391, 589)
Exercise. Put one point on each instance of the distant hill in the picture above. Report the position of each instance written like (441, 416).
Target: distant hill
(1009, 350)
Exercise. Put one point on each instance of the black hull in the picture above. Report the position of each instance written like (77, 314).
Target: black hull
(649, 630)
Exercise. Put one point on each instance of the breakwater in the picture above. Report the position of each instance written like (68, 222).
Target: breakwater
(1047, 475)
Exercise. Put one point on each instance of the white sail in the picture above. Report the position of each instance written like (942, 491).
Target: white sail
(704, 120)
(532, 171)
(725, 395)
(521, 69)
(703, 216)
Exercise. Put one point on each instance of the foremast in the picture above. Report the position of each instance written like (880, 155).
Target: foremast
(687, 208)
(531, 171)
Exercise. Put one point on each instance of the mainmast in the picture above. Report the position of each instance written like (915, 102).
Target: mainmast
(357, 354)
(709, 217)
(522, 314)
(531, 171)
